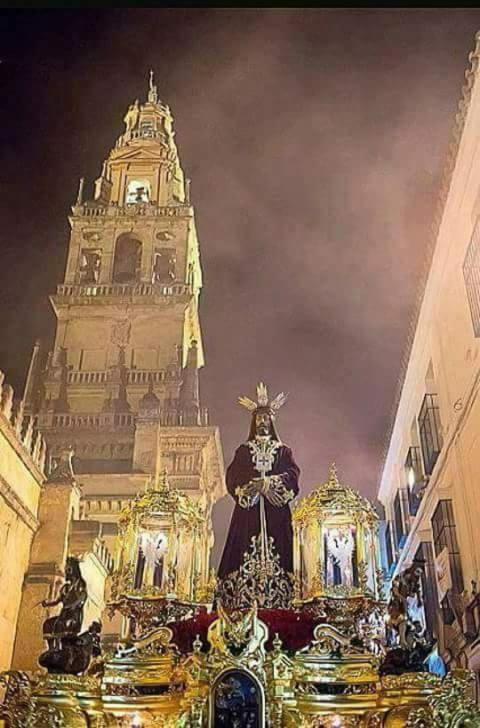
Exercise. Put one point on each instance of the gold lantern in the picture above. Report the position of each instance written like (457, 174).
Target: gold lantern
(159, 573)
(336, 548)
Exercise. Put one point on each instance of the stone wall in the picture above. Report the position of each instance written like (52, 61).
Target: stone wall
(22, 460)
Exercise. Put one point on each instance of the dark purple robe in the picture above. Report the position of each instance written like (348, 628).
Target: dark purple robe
(245, 522)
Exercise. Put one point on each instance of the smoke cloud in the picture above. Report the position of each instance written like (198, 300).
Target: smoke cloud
(314, 139)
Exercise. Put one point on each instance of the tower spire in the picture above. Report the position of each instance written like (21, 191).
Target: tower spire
(30, 393)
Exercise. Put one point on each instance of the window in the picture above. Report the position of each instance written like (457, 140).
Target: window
(127, 260)
(388, 546)
(414, 479)
(138, 190)
(429, 427)
(401, 527)
(425, 560)
(445, 536)
(147, 128)
(471, 274)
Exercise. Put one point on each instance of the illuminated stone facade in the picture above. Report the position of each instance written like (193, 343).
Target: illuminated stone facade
(429, 482)
(60, 533)
(22, 460)
(39, 527)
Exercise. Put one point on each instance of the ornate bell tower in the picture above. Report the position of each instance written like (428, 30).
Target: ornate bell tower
(121, 384)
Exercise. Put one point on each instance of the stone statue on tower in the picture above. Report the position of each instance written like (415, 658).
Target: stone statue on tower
(131, 117)
(256, 564)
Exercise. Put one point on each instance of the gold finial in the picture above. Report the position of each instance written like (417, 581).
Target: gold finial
(197, 645)
(159, 482)
(163, 483)
(277, 644)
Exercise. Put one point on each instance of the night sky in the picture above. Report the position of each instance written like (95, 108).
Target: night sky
(315, 141)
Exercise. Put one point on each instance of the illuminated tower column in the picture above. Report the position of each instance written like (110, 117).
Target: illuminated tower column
(121, 384)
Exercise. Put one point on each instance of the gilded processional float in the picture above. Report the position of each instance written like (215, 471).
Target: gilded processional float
(294, 631)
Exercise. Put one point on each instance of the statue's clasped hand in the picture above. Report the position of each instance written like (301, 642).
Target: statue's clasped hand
(247, 494)
(265, 487)
(274, 497)
(271, 487)
(278, 493)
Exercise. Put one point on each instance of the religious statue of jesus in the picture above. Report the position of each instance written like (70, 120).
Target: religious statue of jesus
(257, 560)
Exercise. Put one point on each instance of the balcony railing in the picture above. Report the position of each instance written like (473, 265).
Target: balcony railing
(93, 504)
(134, 376)
(123, 290)
(415, 479)
(122, 420)
(177, 418)
(145, 133)
(144, 376)
(140, 209)
(430, 430)
(100, 421)
(83, 377)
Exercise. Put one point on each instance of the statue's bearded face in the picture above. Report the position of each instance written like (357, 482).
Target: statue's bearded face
(263, 423)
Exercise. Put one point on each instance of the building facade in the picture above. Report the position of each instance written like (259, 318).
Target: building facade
(429, 480)
(60, 533)
(40, 527)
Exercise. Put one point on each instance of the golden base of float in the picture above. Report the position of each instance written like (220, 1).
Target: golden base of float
(329, 683)
(239, 673)
(53, 700)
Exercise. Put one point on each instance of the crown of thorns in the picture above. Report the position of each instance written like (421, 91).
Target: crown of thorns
(262, 400)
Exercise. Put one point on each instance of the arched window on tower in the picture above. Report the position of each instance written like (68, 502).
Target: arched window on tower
(138, 190)
(127, 260)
